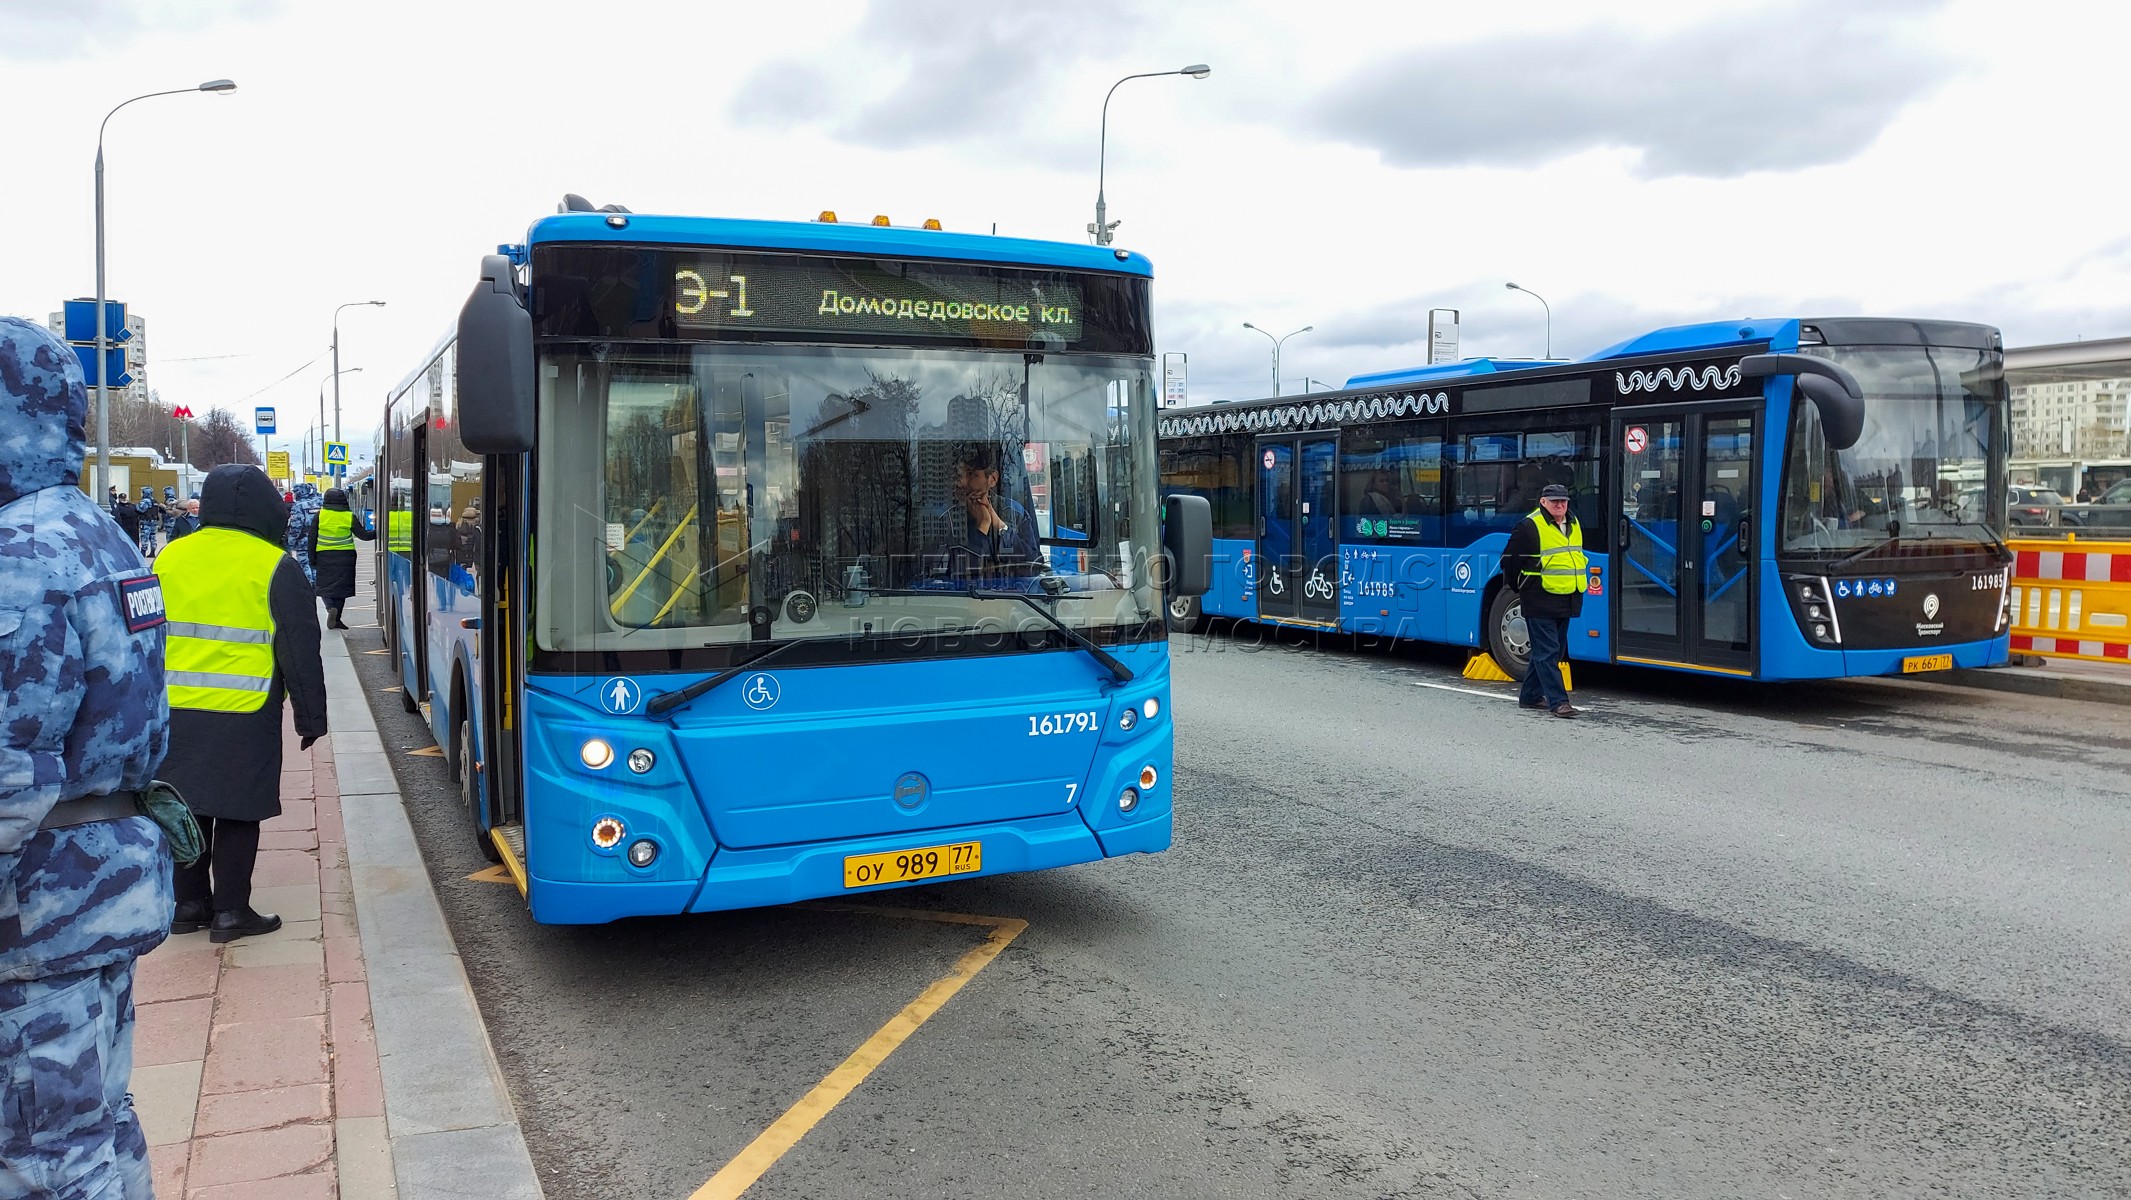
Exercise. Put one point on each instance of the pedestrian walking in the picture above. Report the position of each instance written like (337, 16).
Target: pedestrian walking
(1545, 561)
(84, 877)
(244, 634)
(334, 532)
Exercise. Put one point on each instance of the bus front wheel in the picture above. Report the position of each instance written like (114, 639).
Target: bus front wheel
(1184, 614)
(1507, 639)
(470, 794)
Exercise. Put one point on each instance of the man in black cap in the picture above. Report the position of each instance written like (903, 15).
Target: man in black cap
(1545, 562)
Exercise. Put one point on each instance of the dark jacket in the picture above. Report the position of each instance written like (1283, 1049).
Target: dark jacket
(228, 765)
(81, 678)
(335, 568)
(1522, 556)
(183, 524)
(128, 518)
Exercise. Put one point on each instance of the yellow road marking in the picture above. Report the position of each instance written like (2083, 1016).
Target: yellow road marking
(428, 752)
(377, 652)
(771, 1144)
(495, 874)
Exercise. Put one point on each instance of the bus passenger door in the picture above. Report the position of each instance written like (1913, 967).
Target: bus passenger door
(1683, 582)
(1279, 582)
(1317, 597)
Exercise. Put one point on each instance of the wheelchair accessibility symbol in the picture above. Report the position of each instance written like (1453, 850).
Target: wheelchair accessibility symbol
(620, 696)
(760, 692)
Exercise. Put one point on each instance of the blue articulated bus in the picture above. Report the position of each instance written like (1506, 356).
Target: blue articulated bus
(741, 562)
(1769, 499)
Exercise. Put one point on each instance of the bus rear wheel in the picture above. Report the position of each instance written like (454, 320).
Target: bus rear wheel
(1184, 614)
(470, 794)
(1508, 642)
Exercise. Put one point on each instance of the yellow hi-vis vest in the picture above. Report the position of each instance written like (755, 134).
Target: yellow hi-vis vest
(336, 530)
(218, 652)
(399, 532)
(1561, 558)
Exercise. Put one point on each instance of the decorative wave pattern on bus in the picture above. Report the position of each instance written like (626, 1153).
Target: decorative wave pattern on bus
(1307, 416)
(1676, 379)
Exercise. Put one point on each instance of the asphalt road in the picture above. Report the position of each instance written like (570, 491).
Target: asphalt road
(1858, 939)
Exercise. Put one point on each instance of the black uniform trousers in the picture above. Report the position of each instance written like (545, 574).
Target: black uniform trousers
(232, 849)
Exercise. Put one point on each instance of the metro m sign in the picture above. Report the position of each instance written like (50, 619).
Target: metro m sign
(182, 412)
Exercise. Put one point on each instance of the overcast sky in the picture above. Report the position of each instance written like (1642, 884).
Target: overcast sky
(1347, 166)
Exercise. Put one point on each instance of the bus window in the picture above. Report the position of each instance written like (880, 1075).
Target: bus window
(1391, 485)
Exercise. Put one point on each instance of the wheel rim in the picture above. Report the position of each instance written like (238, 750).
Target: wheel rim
(1180, 607)
(1516, 636)
(467, 793)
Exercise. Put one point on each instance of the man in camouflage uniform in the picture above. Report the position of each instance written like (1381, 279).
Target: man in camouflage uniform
(85, 882)
(297, 540)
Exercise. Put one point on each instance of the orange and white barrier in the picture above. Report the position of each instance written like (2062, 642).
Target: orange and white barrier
(2072, 599)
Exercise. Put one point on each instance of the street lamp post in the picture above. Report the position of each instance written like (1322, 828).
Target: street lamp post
(103, 398)
(337, 373)
(336, 360)
(1276, 349)
(1549, 314)
(1102, 226)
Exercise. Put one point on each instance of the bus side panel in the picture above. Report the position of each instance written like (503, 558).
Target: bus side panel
(1394, 591)
(1234, 592)
(401, 586)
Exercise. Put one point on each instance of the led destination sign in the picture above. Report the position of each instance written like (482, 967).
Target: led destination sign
(729, 294)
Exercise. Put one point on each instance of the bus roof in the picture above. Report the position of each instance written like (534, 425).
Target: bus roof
(1779, 333)
(822, 237)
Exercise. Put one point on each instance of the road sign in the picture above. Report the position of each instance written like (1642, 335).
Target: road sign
(1638, 439)
(182, 412)
(114, 365)
(277, 464)
(336, 454)
(263, 418)
(81, 321)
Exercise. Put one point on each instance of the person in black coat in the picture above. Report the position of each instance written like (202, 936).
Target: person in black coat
(127, 516)
(228, 765)
(336, 568)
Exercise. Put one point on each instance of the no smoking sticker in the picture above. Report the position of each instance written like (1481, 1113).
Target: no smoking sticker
(1638, 439)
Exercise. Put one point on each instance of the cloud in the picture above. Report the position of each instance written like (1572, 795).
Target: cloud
(1781, 88)
(926, 72)
(49, 31)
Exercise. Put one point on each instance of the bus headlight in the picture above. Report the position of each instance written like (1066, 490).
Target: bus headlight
(595, 753)
(641, 760)
(1128, 718)
(1128, 800)
(643, 852)
(1151, 707)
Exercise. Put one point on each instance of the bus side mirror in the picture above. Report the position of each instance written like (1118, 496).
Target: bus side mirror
(1842, 416)
(1833, 390)
(1187, 542)
(494, 373)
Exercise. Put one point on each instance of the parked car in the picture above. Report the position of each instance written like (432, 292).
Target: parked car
(2108, 516)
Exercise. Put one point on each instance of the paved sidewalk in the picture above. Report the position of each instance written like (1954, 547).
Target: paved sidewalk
(262, 1068)
(255, 1064)
(2063, 678)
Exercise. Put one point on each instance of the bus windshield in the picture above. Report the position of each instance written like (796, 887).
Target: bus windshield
(1923, 468)
(703, 495)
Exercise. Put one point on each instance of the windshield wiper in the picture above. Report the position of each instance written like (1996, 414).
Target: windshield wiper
(1861, 552)
(666, 702)
(1118, 670)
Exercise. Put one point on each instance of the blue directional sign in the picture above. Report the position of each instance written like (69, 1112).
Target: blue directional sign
(81, 321)
(263, 419)
(114, 365)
